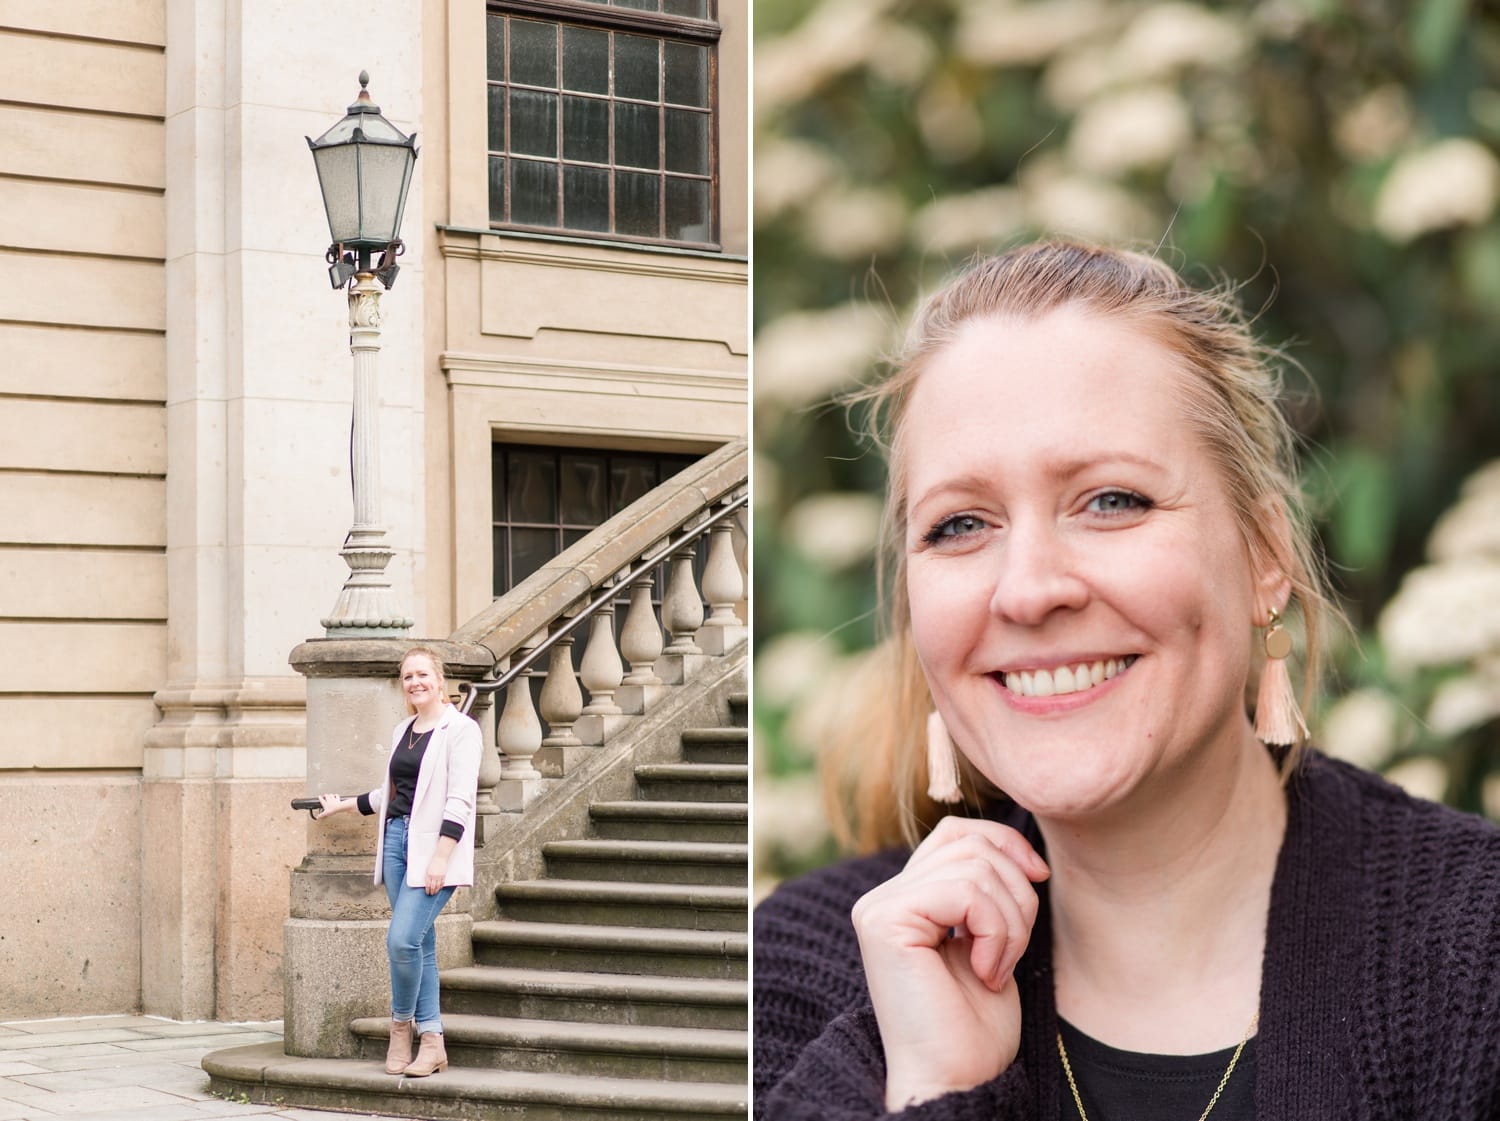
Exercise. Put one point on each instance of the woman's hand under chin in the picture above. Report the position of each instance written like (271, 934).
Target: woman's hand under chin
(939, 942)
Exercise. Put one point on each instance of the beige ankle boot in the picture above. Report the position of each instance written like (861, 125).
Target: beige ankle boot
(398, 1054)
(431, 1056)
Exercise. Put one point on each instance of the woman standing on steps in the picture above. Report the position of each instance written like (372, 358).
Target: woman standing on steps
(424, 850)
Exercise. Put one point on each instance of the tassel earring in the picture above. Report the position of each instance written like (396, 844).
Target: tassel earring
(942, 761)
(1278, 721)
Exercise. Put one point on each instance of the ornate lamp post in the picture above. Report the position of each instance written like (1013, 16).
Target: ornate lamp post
(364, 168)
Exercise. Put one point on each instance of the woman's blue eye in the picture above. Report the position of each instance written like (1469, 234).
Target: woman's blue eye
(960, 525)
(1118, 502)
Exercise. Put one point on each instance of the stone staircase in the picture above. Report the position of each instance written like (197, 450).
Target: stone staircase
(611, 988)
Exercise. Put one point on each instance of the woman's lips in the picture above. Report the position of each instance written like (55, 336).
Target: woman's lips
(1066, 679)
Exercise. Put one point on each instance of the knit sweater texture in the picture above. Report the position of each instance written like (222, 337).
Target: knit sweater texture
(1380, 987)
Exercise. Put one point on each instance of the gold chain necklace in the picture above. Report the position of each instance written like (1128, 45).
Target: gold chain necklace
(1213, 1101)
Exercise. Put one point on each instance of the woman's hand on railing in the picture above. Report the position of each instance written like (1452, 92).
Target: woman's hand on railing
(324, 804)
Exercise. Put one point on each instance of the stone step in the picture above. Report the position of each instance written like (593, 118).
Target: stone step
(694, 782)
(611, 949)
(600, 998)
(672, 821)
(606, 1050)
(678, 906)
(264, 1073)
(716, 745)
(656, 862)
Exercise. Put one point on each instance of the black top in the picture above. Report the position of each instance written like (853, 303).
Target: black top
(1378, 996)
(1120, 1085)
(406, 766)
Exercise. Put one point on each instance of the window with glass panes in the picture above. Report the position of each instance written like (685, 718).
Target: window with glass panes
(602, 118)
(545, 499)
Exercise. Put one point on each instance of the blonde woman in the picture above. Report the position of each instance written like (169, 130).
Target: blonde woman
(424, 850)
(1104, 885)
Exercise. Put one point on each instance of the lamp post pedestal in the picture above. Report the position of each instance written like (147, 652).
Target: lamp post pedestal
(367, 605)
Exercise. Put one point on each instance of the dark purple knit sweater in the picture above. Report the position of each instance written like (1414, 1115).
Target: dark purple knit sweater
(1380, 990)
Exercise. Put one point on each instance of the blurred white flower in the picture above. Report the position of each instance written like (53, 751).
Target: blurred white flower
(1170, 37)
(1130, 129)
(765, 481)
(1361, 728)
(1471, 528)
(949, 122)
(790, 821)
(1421, 777)
(1375, 125)
(855, 223)
(1490, 796)
(1003, 34)
(1078, 76)
(956, 223)
(1462, 703)
(790, 665)
(1443, 614)
(807, 356)
(789, 172)
(1451, 183)
(836, 36)
(1058, 202)
(900, 54)
(836, 530)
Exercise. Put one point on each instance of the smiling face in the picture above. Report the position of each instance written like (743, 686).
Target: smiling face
(1081, 596)
(421, 682)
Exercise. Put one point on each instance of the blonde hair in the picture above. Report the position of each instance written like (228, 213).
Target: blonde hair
(437, 665)
(875, 767)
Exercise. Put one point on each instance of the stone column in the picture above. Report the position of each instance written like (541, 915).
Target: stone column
(335, 959)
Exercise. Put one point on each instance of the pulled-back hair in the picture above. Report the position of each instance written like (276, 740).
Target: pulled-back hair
(875, 763)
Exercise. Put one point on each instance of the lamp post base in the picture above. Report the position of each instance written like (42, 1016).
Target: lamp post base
(366, 607)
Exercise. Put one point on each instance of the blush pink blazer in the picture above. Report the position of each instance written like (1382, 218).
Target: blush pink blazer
(446, 788)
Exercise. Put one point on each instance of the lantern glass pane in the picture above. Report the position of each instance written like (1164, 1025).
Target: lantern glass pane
(384, 171)
(338, 176)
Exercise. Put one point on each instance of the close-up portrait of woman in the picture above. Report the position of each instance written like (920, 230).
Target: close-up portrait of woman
(1124, 517)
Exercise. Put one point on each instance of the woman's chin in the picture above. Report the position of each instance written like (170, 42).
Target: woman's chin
(1075, 787)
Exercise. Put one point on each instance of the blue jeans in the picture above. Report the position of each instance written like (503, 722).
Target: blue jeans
(411, 942)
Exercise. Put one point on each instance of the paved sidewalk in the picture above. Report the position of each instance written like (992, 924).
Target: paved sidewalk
(125, 1068)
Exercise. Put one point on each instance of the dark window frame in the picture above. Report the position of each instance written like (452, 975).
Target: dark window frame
(593, 15)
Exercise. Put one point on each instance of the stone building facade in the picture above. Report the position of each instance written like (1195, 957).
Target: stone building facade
(175, 398)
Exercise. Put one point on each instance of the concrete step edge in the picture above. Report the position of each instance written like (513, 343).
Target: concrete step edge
(731, 733)
(687, 812)
(692, 852)
(267, 1065)
(598, 936)
(559, 982)
(703, 896)
(495, 1031)
(699, 772)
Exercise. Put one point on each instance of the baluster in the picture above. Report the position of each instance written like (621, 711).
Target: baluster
(682, 607)
(640, 638)
(723, 587)
(602, 672)
(640, 643)
(520, 737)
(562, 699)
(489, 755)
(682, 612)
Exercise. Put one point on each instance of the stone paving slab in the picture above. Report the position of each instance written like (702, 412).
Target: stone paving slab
(126, 1068)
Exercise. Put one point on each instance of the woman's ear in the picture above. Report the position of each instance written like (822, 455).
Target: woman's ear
(1272, 558)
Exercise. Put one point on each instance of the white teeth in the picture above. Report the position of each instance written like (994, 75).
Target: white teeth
(1064, 679)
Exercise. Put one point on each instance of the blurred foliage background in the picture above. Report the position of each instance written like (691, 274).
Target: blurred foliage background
(1337, 158)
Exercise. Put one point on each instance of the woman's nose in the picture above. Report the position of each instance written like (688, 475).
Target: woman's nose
(1037, 574)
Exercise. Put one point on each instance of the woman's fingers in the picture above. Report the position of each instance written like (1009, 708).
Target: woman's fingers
(958, 830)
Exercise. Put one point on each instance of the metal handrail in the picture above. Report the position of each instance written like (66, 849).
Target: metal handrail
(472, 689)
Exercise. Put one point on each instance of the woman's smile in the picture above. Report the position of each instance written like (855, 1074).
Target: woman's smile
(1064, 680)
